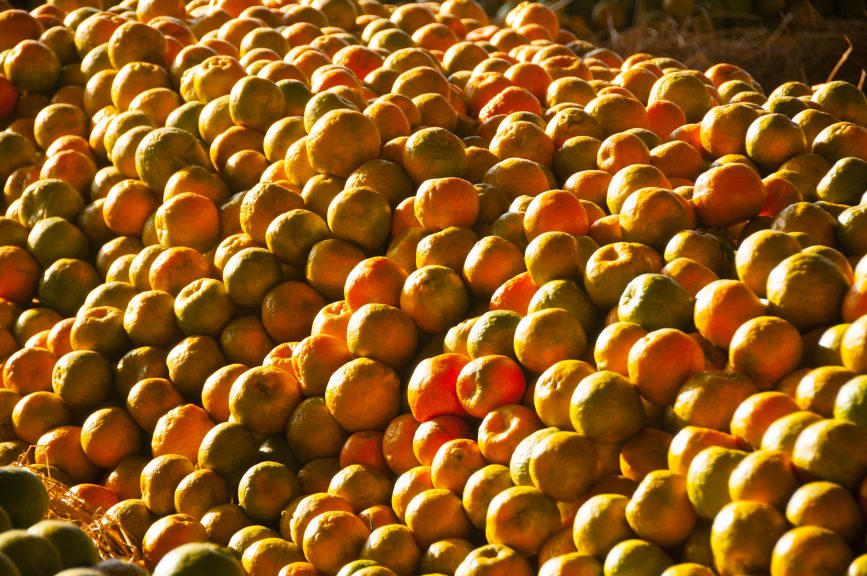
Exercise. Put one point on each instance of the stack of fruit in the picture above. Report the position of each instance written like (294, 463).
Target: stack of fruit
(343, 288)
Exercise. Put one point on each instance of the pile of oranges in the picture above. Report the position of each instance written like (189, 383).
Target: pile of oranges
(344, 288)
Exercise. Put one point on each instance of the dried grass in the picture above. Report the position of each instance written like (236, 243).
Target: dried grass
(826, 49)
(110, 538)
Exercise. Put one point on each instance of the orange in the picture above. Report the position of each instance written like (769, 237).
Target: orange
(613, 345)
(72, 166)
(168, 533)
(33, 415)
(806, 289)
(605, 389)
(691, 275)
(435, 297)
(616, 113)
(494, 558)
(393, 546)
(766, 476)
(353, 407)
(758, 413)
(548, 336)
(445, 555)
(337, 128)
(610, 269)
(22, 272)
(667, 347)
(514, 294)
(329, 263)
(765, 348)
(564, 452)
(555, 210)
(150, 399)
(652, 216)
(476, 389)
(842, 101)
(61, 447)
(523, 140)
(289, 310)
(332, 539)
(826, 505)
(448, 247)
(200, 491)
(314, 412)
(371, 324)
(840, 140)
(522, 518)
(724, 129)
(660, 511)
(818, 452)
(645, 452)
(316, 358)
(265, 489)
(83, 379)
(804, 549)
(291, 234)
(269, 555)
(128, 206)
(364, 487)
(203, 307)
(249, 275)
(772, 139)
(690, 441)
(49, 197)
(191, 361)
(263, 203)
(407, 486)
(364, 448)
(743, 536)
(434, 153)
(759, 253)
(782, 434)
(708, 249)
(491, 262)
(135, 42)
(721, 307)
(360, 215)
(511, 99)
(149, 319)
(677, 159)
(708, 479)
(728, 194)
(818, 389)
(108, 436)
(621, 150)
(163, 152)
(262, 399)
(256, 103)
(628, 180)
(432, 434)
(180, 431)
(710, 398)
(812, 226)
(481, 488)
(455, 461)
(444, 202)
(503, 429)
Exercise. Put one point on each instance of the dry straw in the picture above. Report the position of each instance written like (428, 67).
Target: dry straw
(110, 538)
(810, 48)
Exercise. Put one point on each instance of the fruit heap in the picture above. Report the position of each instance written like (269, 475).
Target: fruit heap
(30, 544)
(355, 289)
